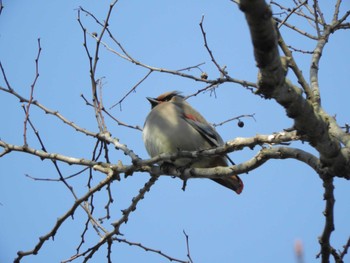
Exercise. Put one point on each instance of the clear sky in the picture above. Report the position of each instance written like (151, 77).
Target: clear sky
(282, 201)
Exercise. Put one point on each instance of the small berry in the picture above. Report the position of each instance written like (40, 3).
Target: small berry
(204, 75)
(240, 124)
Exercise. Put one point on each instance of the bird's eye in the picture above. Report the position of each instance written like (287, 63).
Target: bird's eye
(167, 98)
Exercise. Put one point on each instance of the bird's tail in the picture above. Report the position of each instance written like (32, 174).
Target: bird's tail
(233, 182)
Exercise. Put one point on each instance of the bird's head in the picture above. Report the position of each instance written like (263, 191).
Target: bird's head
(165, 97)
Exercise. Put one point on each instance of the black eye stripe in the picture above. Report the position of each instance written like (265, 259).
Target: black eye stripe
(167, 98)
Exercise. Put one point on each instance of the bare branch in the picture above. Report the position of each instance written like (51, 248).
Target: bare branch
(221, 70)
(50, 112)
(63, 218)
(316, 99)
(122, 240)
(136, 127)
(235, 118)
(46, 155)
(31, 93)
(93, 66)
(300, 50)
(291, 12)
(61, 177)
(5, 77)
(125, 55)
(292, 63)
(219, 172)
(192, 67)
(311, 124)
(246, 84)
(339, 23)
(336, 11)
(188, 247)
(304, 33)
(300, 12)
(345, 249)
(91, 251)
(326, 248)
(309, 119)
(133, 89)
(319, 12)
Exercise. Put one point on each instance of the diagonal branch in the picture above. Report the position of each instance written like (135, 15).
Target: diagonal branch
(50, 112)
(132, 89)
(63, 218)
(221, 70)
(91, 251)
(5, 78)
(31, 93)
(292, 63)
(47, 155)
(291, 12)
(130, 243)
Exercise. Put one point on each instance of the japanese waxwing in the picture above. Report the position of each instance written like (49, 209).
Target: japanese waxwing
(173, 125)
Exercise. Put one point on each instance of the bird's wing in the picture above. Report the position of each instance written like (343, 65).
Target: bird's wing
(205, 129)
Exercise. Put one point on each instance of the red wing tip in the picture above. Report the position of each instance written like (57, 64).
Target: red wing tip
(240, 189)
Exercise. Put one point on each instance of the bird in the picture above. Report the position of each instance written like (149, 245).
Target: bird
(173, 125)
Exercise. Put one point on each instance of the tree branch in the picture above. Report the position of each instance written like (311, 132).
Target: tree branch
(309, 119)
(219, 172)
(31, 93)
(326, 248)
(63, 218)
(123, 240)
(91, 251)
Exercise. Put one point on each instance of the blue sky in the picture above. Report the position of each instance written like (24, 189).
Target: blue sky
(282, 201)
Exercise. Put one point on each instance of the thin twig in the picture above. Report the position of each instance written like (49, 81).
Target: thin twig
(91, 219)
(31, 93)
(345, 249)
(129, 58)
(291, 12)
(132, 89)
(108, 236)
(136, 127)
(62, 219)
(235, 118)
(304, 33)
(320, 13)
(51, 112)
(188, 247)
(192, 67)
(5, 77)
(221, 70)
(93, 65)
(172, 259)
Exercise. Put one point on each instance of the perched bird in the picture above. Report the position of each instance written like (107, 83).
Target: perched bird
(173, 125)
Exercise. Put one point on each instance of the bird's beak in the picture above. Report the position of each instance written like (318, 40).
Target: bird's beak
(154, 102)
